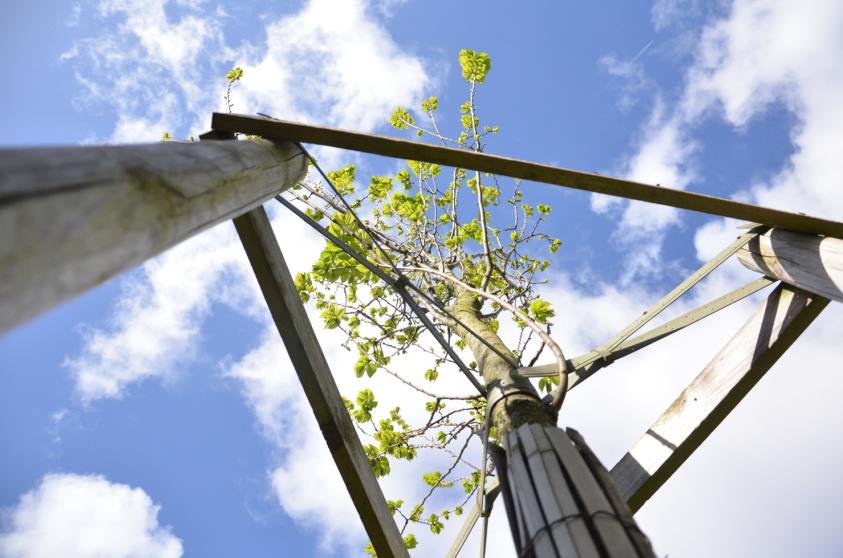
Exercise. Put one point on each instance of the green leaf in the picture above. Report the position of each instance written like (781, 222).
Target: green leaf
(436, 526)
(416, 512)
(394, 505)
(379, 463)
(380, 187)
(475, 65)
(366, 401)
(410, 541)
(432, 479)
(234, 74)
(541, 311)
(430, 104)
(431, 374)
(333, 316)
(343, 179)
(365, 365)
(401, 119)
(405, 179)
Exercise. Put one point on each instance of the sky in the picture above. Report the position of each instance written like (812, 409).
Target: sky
(157, 415)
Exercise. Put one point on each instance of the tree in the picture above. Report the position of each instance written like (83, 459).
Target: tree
(470, 242)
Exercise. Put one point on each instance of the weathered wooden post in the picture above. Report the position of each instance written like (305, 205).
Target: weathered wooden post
(812, 263)
(718, 389)
(72, 217)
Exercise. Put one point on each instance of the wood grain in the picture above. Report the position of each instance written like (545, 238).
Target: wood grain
(318, 383)
(715, 392)
(812, 263)
(72, 217)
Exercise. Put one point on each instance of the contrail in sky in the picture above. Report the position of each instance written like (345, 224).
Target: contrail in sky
(641, 52)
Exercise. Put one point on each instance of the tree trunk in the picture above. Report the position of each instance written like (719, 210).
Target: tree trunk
(517, 409)
(560, 500)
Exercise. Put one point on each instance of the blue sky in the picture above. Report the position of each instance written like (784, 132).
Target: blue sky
(164, 395)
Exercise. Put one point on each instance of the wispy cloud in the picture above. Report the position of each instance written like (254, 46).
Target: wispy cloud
(156, 323)
(758, 54)
(752, 57)
(163, 72)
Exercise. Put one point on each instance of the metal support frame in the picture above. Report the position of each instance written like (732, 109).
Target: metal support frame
(790, 326)
(313, 371)
(585, 365)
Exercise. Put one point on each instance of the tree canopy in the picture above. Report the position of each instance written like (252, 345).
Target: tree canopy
(476, 248)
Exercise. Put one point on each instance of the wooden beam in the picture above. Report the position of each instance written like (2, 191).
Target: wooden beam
(313, 371)
(812, 263)
(718, 389)
(392, 147)
(72, 217)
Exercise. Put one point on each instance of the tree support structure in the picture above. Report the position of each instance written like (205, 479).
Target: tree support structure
(70, 218)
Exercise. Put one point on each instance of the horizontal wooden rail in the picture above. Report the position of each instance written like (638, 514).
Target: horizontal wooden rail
(72, 217)
(392, 147)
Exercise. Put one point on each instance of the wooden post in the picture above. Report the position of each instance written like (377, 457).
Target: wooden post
(313, 371)
(72, 217)
(718, 389)
(812, 263)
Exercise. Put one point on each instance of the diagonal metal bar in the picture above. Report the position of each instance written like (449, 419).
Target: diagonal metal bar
(680, 289)
(471, 520)
(313, 371)
(605, 352)
(398, 284)
(718, 389)
(484, 162)
(587, 364)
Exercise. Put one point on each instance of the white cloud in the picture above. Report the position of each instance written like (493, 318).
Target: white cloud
(733, 484)
(668, 13)
(304, 70)
(330, 62)
(86, 516)
(631, 74)
(156, 323)
(775, 52)
(663, 157)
